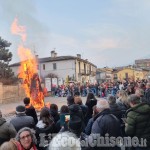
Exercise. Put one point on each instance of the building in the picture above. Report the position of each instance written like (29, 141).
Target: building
(130, 73)
(104, 74)
(142, 63)
(71, 67)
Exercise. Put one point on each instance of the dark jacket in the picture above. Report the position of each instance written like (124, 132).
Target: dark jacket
(55, 115)
(84, 110)
(147, 95)
(90, 105)
(106, 123)
(59, 128)
(89, 126)
(138, 122)
(123, 108)
(7, 131)
(22, 120)
(115, 110)
(45, 132)
(30, 111)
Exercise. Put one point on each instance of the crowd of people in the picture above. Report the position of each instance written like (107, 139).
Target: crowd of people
(124, 111)
(98, 89)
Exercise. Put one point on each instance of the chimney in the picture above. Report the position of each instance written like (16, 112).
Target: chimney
(55, 54)
(79, 56)
(52, 53)
(37, 57)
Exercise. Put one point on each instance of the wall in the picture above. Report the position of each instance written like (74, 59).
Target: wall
(82, 77)
(11, 93)
(121, 74)
(132, 74)
(15, 69)
(64, 68)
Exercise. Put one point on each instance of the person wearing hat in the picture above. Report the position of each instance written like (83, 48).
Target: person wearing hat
(138, 119)
(22, 120)
(7, 130)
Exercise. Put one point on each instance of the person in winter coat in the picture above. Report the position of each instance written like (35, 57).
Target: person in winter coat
(10, 145)
(122, 101)
(59, 142)
(54, 112)
(84, 108)
(44, 127)
(30, 110)
(105, 123)
(90, 102)
(63, 111)
(7, 130)
(91, 121)
(140, 93)
(114, 108)
(22, 120)
(147, 93)
(138, 119)
(70, 100)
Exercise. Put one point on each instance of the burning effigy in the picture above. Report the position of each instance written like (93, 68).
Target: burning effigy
(36, 91)
(28, 70)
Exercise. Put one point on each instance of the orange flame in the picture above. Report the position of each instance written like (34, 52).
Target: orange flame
(28, 69)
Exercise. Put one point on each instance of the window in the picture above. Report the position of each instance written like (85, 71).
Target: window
(115, 75)
(90, 68)
(84, 68)
(54, 66)
(126, 75)
(79, 67)
(43, 66)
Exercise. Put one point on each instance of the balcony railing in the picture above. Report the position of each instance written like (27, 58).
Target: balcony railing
(93, 73)
(84, 72)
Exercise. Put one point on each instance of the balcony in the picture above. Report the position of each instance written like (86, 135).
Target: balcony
(88, 72)
(93, 73)
(115, 78)
(84, 72)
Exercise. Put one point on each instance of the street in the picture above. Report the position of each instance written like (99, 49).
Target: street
(8, 110)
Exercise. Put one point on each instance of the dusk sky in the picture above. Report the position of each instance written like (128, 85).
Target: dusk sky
(106, 32)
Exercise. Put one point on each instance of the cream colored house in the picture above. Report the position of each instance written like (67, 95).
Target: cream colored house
(74, 67)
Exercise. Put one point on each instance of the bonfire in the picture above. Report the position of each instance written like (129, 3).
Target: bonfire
(28, 70)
